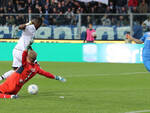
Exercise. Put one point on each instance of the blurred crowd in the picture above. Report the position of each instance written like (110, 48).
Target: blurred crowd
(66, 11)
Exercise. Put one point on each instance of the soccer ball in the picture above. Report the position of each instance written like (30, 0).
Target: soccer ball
(94, 34)
(33, 89)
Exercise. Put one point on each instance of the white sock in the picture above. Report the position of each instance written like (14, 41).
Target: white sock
(7, 74)
(1, 78)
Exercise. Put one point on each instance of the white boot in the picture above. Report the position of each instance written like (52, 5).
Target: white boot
(7, 74)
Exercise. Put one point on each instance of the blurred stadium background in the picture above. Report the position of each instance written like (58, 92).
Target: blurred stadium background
(115, 80)
(68, 19)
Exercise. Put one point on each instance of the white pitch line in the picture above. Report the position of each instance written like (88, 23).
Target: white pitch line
(143, 111)
(104, 74)
(128, 73)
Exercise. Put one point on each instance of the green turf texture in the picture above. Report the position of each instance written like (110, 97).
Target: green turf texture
(90, 88)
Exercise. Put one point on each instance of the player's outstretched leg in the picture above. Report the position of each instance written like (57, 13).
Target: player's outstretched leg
(8, 96)
(7, 74)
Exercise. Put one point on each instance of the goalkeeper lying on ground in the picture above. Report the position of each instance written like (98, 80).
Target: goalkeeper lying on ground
(12, 85)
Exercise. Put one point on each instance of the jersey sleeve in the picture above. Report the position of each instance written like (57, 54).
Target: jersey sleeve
(45, 73)
(24, 56)
(31, 29)
(143, 37)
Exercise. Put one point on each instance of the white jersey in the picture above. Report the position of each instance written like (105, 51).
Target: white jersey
(26, 37)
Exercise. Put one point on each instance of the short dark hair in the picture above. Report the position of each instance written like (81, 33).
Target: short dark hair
(38, 20)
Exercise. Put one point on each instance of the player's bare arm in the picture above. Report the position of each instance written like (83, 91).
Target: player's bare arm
(22, 26)
(134, 39)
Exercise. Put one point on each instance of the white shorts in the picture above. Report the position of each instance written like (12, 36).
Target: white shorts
(17, 58)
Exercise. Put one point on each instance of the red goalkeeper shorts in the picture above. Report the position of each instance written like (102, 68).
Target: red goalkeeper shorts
(12, 84)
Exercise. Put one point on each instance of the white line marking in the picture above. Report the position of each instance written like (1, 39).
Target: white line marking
(128, 73)
(143, 111)
(104, 74)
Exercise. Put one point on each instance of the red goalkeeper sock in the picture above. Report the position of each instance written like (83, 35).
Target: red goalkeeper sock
(5, 95)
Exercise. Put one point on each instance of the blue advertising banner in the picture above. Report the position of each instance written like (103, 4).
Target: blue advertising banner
(71, 32)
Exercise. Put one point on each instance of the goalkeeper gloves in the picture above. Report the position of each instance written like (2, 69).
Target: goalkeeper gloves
(60, 78)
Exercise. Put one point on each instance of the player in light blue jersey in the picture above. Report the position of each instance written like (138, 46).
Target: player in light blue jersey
(146, 50)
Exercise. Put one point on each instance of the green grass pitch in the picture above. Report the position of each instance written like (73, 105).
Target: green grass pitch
(90, 88)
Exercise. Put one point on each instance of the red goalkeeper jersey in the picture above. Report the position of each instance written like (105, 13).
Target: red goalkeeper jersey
(24, 73)
(28, 70)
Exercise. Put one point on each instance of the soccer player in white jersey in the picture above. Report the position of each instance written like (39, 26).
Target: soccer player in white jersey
(25, 40)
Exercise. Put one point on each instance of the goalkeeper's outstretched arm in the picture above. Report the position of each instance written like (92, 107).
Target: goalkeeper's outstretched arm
(134, 39)
(49, 75)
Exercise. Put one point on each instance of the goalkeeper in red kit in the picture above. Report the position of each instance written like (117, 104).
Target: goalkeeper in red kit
(12, 85)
